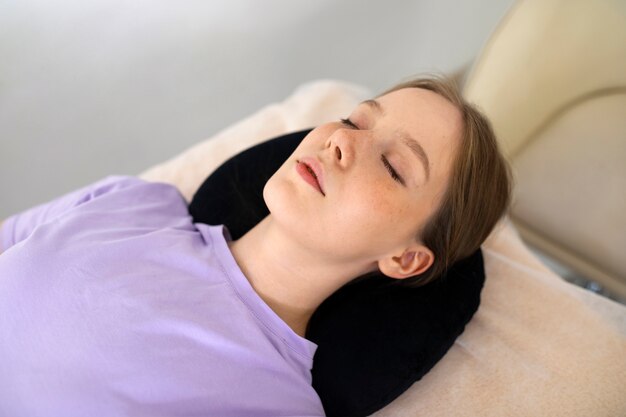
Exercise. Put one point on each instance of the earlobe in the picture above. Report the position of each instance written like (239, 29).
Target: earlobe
(414, 261)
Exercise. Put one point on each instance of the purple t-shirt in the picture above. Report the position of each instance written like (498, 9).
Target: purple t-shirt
(114, 303)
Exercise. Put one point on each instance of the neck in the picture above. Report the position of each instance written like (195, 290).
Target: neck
(291, 279)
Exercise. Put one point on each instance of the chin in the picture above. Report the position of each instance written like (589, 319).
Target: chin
(279, 198)
(288, 209)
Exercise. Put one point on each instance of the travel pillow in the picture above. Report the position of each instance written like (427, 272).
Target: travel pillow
(375, 339)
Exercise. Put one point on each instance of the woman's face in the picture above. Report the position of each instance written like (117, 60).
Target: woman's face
(383, 172)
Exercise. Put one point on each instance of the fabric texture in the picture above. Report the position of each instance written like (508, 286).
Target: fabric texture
(374, 338)
(114, 303)
(537, 346)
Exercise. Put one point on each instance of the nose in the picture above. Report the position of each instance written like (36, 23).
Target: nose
(341, 145)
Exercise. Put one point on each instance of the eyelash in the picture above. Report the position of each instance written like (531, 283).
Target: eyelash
(348, 123)
(392, 171)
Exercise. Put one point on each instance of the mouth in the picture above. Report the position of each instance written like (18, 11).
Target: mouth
(311, 172)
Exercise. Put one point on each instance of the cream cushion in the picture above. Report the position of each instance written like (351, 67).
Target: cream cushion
(538, 346)
(572, 186)
(552, 80)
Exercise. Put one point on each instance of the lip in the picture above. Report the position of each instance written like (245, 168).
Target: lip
(316, 167)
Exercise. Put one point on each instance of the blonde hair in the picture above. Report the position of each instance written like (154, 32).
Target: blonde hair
(478, 192)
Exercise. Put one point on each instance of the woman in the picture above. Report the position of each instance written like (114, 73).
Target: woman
(116, 303)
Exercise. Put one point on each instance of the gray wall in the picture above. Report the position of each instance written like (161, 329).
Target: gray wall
(99, 87)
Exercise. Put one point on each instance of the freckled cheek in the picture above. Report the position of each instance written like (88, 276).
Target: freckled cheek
(382, 198)
(371, 208)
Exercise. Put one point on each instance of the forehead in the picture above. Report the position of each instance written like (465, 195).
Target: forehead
(422, 110)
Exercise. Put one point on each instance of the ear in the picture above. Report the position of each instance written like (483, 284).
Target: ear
(413, 261)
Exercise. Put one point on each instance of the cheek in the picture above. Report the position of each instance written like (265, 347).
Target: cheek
(374, 207)
(378, 195)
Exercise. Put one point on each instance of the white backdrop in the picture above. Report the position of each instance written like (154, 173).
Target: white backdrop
(99, 87)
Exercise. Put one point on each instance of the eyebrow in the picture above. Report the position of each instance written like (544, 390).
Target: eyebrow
(375, 105)
(417, 150)
(413, 145)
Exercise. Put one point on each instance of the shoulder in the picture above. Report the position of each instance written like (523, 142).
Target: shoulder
(135, 193)
(114, 183)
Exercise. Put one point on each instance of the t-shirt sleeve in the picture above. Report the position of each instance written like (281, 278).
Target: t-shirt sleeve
(18, 227)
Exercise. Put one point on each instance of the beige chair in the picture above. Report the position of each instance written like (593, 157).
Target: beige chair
(552, 79)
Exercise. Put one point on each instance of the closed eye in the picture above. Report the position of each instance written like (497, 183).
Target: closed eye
(348, 123)
(392, 171)
(388, 166)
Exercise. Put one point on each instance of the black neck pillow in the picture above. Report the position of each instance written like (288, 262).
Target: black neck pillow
(375, 339)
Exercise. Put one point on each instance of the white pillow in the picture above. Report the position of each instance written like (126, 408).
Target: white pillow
(537, 346)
